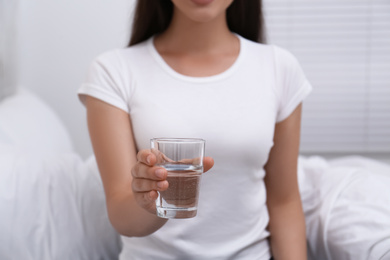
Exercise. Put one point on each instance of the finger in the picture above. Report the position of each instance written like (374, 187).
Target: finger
(144, 171)
(160, 157)
(208, 163)
(144, 185)
(147, 157)
(147, 199)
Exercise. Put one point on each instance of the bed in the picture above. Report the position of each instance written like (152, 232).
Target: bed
(52, 203)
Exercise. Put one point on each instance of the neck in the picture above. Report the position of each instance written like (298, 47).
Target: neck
(186, 35)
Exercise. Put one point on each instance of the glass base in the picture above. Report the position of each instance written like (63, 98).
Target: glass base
(176, 212)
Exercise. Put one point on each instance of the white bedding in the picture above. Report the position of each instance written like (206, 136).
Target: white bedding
(347, 208)
(52, 203)
(27, 123)
(53, 207)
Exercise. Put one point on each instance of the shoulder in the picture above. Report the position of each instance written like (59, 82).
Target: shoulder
(270, 53)
(107, 58)
(283, 61)
(123, 55)
(275, 52)
(255, 47)
(119, 61)
(280, 56)
(284, 57)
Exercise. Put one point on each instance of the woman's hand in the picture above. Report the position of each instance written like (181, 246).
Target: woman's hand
(148, 179)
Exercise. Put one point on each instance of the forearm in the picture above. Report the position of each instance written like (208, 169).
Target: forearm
(115, 150)
(129, 219)
(287, 228)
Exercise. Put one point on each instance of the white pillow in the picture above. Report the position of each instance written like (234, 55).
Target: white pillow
(28, 124)
(52, 206)
(347, 208)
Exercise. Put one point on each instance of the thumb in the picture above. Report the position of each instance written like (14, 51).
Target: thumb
(208, 163)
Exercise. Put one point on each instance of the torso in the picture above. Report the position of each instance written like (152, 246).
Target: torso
(234, 111)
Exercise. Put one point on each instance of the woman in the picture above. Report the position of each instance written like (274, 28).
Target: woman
(194, 69)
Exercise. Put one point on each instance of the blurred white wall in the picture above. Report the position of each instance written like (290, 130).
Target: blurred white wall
(57, 41)
(8, 52)
(344, 49)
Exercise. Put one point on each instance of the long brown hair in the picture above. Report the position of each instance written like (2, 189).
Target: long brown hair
(244, 17)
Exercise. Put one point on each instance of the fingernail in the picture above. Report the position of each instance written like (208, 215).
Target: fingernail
(160, 184)
(160, 173)
(148, 159)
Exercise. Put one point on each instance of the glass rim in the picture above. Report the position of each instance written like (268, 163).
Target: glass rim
(177, 140)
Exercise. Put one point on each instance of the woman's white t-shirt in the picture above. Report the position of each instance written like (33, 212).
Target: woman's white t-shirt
(235, 112)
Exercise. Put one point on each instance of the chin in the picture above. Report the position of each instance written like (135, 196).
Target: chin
(202, 11)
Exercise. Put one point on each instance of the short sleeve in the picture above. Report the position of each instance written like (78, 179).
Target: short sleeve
(106, 80)
(292, 87)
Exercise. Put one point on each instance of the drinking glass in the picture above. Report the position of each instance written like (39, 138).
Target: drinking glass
(183, 160)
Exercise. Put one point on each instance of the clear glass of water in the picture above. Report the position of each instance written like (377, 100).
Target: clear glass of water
(183, 159)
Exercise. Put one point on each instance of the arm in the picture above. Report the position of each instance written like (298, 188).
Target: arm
(130, 180)
(287, 223)
(113, 144)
